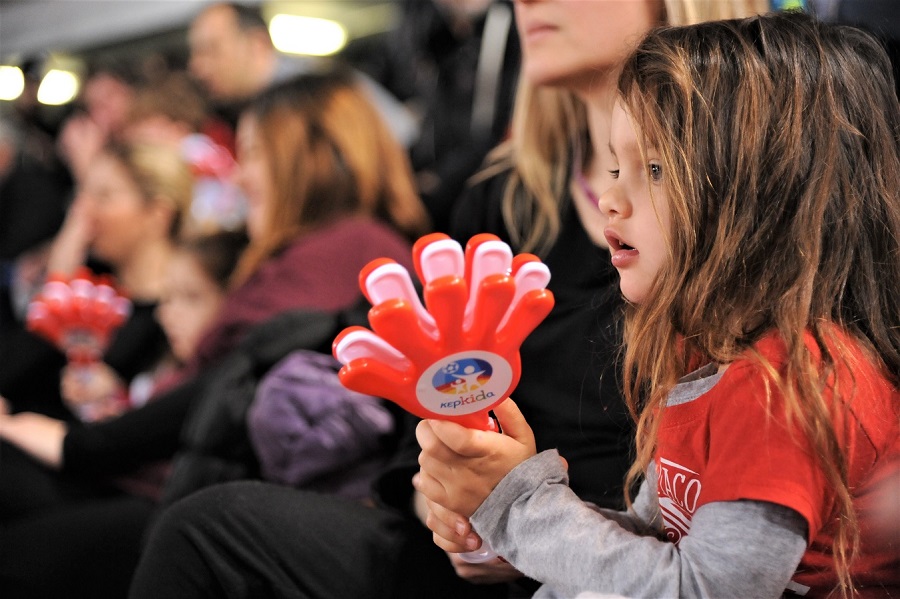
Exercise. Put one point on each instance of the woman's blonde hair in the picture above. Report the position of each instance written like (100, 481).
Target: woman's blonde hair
(161, 174)
(548, 122)
(330, 155)
(780, 146)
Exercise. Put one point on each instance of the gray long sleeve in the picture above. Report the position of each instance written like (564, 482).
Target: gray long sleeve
(734, 549)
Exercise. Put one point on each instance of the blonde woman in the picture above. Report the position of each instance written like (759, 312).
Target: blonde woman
(126, 216)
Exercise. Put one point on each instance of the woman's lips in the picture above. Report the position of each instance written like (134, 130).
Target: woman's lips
(536, 31)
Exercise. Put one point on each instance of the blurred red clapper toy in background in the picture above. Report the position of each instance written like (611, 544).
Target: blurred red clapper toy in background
(78, 315)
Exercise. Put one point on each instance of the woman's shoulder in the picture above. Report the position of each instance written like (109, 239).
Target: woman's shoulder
(350, 239)
(355, 227)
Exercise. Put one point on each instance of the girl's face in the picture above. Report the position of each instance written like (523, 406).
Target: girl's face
(253, 175)
(638, 221)
(116, 211)
(571, 42)
(190, 303)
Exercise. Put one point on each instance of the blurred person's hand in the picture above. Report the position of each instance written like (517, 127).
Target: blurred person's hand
(70, 246)
(79, 141)
(93, 391)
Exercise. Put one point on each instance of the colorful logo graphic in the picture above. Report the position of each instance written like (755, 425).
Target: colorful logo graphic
(464, 383)
(462, 376)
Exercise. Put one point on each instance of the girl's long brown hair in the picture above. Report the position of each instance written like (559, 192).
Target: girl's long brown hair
(330, 155)
(779, 139)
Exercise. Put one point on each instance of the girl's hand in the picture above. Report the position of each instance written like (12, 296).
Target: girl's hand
(463, 539)
(459, 467)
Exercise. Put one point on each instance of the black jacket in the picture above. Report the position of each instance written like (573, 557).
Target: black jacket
(201, 423)
(214, 446)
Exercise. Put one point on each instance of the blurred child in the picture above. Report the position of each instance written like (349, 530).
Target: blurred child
(196, 284)
(194, 288)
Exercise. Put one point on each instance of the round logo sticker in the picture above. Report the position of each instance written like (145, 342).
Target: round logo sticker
(464, 383)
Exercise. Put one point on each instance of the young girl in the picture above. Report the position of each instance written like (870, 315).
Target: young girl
(755, 227)
(194, 289)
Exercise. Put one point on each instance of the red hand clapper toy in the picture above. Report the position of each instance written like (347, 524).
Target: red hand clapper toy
(78, 315)
(456, 356)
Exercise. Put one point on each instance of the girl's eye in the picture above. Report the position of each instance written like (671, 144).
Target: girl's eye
(655, 171)
(614, 174)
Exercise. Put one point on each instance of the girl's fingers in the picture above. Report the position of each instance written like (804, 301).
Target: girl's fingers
(435, 444)
(447, 524)
(448, 545)
(457, 439)
(451, 531)
(430, 487)
(513, 422)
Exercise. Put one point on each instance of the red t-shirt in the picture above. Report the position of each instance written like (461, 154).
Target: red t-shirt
(730, 444)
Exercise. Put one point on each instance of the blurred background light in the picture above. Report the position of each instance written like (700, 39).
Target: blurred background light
(12, 82)
(312, 36)
(58, 87)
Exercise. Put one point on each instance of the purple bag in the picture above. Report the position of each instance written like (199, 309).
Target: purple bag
(309, 431)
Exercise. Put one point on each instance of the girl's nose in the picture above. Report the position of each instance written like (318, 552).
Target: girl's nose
(613, 202)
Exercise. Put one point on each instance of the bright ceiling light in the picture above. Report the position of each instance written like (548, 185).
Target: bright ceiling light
(307, 35)
(12, 82)
(57, 87)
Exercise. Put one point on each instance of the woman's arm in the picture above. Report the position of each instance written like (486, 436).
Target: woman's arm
(39, 436)
(151, 432)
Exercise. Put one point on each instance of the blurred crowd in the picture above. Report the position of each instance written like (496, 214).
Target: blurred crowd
(233, 200)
